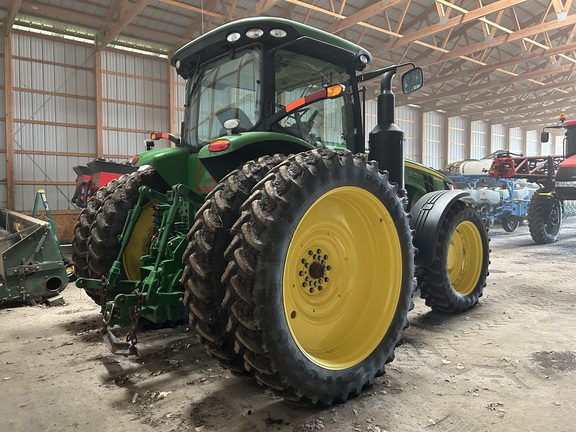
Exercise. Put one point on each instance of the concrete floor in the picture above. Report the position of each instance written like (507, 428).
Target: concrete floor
(506, 365)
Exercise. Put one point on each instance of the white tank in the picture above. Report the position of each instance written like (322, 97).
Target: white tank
(475, 196)
(490, 196)
(504, 193)
(479, 167)
(521, 194)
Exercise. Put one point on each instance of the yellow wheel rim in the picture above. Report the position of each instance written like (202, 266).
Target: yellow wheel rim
(465, 258)
(342, 277)
(139, 243)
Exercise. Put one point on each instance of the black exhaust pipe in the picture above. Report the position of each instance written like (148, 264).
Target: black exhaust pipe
(386, 140)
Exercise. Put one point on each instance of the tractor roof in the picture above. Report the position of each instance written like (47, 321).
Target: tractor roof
(299, 36)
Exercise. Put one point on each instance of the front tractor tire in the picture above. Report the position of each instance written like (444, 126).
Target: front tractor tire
(104, 242)
(544, 217)
(320, 277)
(204, 259)
(457, 277)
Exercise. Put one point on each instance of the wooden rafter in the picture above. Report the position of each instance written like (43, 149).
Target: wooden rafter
(205, 11)
(453, 22)
(9, 22)
(518, 35)
(123, 21)
(363, 14)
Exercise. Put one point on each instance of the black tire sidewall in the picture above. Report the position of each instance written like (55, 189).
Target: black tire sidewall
(279, 344)
(463, 302)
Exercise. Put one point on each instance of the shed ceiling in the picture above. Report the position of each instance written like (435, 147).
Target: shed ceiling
(504, 61)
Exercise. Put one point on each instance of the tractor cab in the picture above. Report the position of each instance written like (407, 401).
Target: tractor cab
(566, 174)
(565, 178)
(262, 82)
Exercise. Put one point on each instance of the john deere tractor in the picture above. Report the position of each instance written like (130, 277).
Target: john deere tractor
(295, 253)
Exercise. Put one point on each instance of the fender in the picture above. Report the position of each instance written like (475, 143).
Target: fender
(171, 163)
(243, 147)
(426, 219)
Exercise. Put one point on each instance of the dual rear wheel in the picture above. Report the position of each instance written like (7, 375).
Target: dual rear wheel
(302, 276)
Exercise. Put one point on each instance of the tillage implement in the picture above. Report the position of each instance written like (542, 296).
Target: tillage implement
(294, 252)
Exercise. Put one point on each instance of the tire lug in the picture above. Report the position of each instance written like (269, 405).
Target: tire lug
(311, 290)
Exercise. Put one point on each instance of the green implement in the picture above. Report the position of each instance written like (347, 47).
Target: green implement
(31, 265)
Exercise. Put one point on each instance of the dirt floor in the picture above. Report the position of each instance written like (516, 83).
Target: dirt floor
(506, 365)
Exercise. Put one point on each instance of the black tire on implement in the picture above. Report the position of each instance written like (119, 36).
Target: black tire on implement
(82, 232)
(104, 244)
(510, 223)
(457, 277)
(204, 259)
(544, 217)
(320, 277)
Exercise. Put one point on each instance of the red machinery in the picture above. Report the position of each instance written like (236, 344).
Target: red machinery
(94, 175)
(555, 174)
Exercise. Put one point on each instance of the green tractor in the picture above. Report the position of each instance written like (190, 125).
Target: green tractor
(292, 250)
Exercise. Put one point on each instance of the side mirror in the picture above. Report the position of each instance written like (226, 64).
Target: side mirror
(544, 136)
(412, 80)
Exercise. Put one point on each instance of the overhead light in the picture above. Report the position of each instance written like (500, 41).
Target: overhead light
(233, 37)
(254, 33)
(278, 33)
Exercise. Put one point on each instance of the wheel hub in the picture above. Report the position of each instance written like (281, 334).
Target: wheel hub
(314, 271)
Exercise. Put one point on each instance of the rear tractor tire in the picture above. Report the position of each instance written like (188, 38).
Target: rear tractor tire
(82, 233)
(544, 217)
(457, 277)
(320, 277)
(104, 243)
(204, 259)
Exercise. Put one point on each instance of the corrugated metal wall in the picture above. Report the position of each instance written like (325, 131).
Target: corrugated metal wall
(480, 139)
(498, 142)
(179, 91)
(3, 192)
(54, 111)
(434, 144)
(558, 145)
(457, 137)
(54, 117)
(408, 119)
(135, 93)
(371, 118)
(532, 143)
(516, 141)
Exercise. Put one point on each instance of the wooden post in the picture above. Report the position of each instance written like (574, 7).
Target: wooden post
(99, 122)
(9, 122)
(446, 138)
(422, 135)
(171, 113)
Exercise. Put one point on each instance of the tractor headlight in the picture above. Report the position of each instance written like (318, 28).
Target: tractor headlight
(254, 33)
